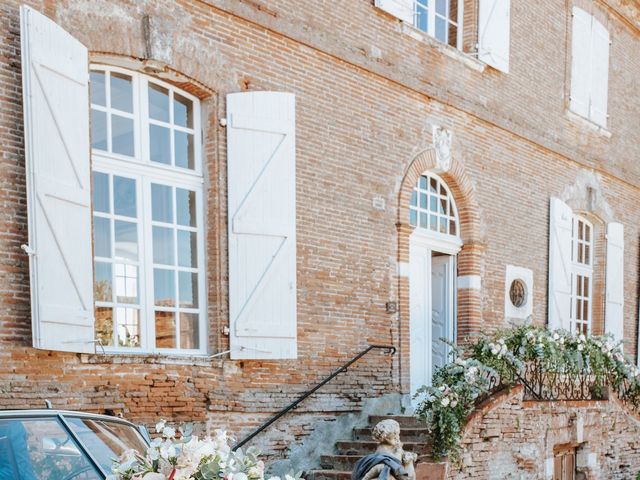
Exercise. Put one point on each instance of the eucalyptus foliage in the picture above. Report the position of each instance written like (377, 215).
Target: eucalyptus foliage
(458, 386)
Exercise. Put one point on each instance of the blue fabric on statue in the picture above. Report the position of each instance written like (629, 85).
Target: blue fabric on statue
(391, 465)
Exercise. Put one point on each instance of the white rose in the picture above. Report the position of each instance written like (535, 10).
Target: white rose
(580, 347)
(160, 426)
(169, 432)
(444, 401)
(454, 403)
(556, 336)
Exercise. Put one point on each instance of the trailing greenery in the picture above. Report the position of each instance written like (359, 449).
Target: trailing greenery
(458, 386)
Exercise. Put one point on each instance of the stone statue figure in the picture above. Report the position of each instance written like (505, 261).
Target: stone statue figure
(390, 461)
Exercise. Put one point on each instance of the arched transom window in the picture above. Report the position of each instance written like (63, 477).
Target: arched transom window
(432, 206)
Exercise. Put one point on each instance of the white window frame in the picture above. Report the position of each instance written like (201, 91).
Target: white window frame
(584, 270)
(415, 207)
(145, 172)
(430, 6)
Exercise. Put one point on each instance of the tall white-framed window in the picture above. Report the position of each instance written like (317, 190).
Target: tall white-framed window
(432, 206)
(441, 19)
(581, 275)
(148, 214)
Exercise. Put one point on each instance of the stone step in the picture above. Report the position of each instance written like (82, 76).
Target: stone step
(403, 420)
(364, 447)
(347, 462)
(328, 475)
(407, 434)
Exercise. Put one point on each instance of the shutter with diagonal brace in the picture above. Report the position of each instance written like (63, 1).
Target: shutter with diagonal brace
(614, 311)
(55, 89)
(560, 229)
(402, 9)
(494, 32)
(262, 225)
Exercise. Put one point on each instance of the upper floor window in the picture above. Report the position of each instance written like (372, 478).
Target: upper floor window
(440, 19)
(582, 275)
(148, 214)
(589, 67)
(432, 206)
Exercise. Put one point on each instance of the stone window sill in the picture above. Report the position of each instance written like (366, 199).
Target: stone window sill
(585, 122)
(152, 358)
(451, 52)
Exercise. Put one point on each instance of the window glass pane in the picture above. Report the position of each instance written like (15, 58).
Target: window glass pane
(122, 135)
(98, 92)
(189, 331)
(433, 204)
(163, 247)
(99, 130)
(126, 283)
(160, 144)
(187, 249)
(101, 192)
(121, 92)
(102, 287)
(104, 325)
(414, 198)
(165, 330)
(422, 15)
(452, 227)
(105, 440)
(128, 327)
(41, 449)
(158, 102)
(126, 243)
(442, 224)
(186, 207)
(188, 283)
(413, 217)
(182, 111)
(587, 253)
(183, 143)
(124, 196)
(441, 29)
(424, 221)
(102, 237)
(423, 183)
(433, 223)
(441, 7)
(164, 287)
(423, 200)
(161, 203)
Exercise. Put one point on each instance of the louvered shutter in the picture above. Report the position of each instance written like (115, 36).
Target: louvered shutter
(600, 73)
(614, 312)
(262, 224)
(56, 114)
(402, 9)
(560, 228)
(494, 31)
(581, 67)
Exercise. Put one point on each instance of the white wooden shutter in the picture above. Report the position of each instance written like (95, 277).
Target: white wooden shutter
(55, 79)
(581, 68)
(560, 227)
(262, 224)
(494, 31)
(614, 311)
(600, 73)
(402, 9)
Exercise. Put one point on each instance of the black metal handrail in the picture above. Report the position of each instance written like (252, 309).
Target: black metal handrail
(391, 350)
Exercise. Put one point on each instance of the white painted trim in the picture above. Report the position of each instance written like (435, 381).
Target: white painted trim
(526, 276)
(436, 241)
(470, 282)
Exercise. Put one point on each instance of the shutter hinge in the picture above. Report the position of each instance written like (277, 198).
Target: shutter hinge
(28, 250)
(223, 122)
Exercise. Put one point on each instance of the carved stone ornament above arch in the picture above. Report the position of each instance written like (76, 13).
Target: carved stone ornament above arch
(586, 195)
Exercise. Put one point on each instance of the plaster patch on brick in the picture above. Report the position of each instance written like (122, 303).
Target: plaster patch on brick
(586, 194)
(473, 282)
(325, 435)
(158, 37)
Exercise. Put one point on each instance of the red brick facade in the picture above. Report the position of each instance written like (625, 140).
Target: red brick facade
(367, 95)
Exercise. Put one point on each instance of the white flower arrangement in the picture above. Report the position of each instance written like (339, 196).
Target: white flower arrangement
(179, 455)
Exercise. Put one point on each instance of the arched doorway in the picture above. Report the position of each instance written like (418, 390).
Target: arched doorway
(433, 247)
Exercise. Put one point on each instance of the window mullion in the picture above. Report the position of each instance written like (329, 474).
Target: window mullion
(147, 260)
(432, 18)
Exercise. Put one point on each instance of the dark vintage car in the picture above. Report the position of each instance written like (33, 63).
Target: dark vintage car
(62, 445)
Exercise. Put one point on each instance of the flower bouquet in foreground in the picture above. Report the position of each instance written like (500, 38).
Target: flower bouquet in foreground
(180, 455)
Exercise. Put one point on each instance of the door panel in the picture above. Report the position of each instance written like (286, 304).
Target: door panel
(441, 314)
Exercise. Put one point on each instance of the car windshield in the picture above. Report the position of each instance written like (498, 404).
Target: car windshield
(41, 448)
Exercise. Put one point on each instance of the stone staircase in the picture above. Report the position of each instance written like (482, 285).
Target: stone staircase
(338, 466)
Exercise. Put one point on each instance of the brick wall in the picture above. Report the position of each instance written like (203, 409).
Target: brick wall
(512, 438)
(363, 120)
